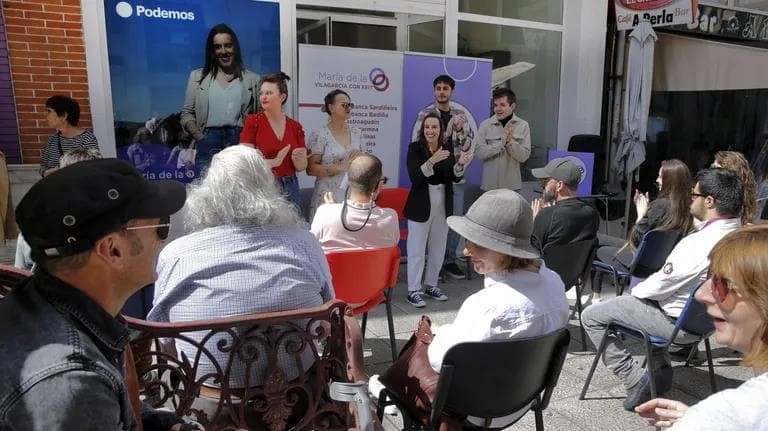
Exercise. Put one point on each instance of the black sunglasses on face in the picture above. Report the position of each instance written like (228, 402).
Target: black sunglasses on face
(163, 228)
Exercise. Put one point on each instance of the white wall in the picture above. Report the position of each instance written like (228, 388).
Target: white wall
(582, 68)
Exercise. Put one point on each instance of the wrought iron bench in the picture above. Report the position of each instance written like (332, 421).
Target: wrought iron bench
(259, 371)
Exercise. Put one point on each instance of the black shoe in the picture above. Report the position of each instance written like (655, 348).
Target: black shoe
(638, 394)
(435, 293)
(452, 270)
(641, 392)
(415, 299)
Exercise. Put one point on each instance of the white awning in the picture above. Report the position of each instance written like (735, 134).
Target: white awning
(694, 64)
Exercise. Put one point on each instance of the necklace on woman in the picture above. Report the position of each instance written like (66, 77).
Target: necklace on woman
(431, 150)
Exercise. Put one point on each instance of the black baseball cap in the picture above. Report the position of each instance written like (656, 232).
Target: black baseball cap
(66, 212)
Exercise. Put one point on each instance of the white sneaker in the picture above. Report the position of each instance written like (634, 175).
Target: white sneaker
(375, 387)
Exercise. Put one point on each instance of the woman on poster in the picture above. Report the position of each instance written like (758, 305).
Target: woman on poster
(279, 137)
(332, 149)
(219, 96)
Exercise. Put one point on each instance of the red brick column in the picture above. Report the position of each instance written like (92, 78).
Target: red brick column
(47, 54)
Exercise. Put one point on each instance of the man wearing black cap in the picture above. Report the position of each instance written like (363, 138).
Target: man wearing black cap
(559, 216)
(95, 229)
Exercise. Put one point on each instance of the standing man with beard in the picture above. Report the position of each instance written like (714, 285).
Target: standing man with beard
(560, 217)
(219, 96)
(502, 143)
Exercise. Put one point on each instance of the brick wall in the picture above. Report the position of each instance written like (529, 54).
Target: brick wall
(47, 55)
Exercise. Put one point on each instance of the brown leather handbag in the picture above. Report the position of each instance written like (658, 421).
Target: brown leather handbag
(411, 378)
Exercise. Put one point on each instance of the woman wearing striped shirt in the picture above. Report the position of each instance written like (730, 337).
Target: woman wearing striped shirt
(63, 114)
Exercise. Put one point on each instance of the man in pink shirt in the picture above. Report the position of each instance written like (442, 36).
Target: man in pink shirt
(357, 223)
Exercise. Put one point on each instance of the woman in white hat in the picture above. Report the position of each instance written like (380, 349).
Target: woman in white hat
(520, 297)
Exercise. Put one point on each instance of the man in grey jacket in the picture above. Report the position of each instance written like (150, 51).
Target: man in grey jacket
(63, 340)
(219, 96)
(503, 142)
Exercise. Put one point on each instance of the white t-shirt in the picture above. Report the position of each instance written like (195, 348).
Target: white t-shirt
(381, 230)
(744, 409)
(517, 304)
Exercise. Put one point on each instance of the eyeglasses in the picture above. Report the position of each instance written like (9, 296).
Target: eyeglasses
(721, 287)
(163, 229)
(383, 180)
(347, 105)
(698, 195)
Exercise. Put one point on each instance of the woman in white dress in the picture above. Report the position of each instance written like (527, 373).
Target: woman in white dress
(332, 148)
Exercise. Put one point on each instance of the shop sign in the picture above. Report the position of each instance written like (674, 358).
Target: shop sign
(630, 13)
(727, 23)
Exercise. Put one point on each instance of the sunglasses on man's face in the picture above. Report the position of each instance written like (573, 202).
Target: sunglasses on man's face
(383, 180)
(162, 229)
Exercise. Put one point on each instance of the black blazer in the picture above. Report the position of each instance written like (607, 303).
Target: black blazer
(417, 205)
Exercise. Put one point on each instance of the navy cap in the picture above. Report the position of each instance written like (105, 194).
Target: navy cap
(68, 211)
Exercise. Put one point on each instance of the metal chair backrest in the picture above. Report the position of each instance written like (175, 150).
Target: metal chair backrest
(359, 275)
(10, 277)
(570, 261)
(492, 379)
(276, 345)
(694, 318)
(653, 251)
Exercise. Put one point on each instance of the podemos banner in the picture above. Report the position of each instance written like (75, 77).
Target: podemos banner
(153, 47)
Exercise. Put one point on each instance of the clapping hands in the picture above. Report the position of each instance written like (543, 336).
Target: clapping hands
(537, 205)
(641, 203)
(465, 158)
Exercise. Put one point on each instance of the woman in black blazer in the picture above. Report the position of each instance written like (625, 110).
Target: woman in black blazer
(432, 170)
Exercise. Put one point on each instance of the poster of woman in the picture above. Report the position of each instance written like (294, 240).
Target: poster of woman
(184, 74)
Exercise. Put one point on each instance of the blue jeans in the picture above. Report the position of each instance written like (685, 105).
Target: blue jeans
(453, 237)
(289, 187)
(215, 140)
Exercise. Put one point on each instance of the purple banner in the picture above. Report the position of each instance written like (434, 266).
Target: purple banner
(472, 96)
(588, 161)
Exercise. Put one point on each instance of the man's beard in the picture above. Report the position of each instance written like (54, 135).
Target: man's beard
(548, 196)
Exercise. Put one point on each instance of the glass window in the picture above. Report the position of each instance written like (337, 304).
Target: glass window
(312, 31)
(426, 37)
(363, 35)
(549, 11)
(535, 78)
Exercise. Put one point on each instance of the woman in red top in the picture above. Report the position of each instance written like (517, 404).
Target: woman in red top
(276, 135)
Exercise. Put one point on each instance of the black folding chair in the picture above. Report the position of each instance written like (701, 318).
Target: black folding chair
(693, 320)
(572, 263)
(650, 257)
(493, 379)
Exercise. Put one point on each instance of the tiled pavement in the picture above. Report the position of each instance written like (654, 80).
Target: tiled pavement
(601, 411)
